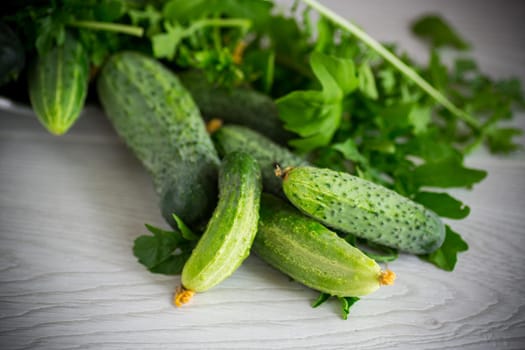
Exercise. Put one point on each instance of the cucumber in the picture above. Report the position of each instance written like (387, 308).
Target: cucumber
(231, 230)
(236, 105)
(58, 85)
(157, 118)
(311, 254)
(365, 209)
(230, 138)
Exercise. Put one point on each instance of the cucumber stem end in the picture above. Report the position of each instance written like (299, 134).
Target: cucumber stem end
(280, 172)
(213, 125)
(182, 296)
(387, 277)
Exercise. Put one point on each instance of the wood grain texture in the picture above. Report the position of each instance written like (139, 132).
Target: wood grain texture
(71, 206)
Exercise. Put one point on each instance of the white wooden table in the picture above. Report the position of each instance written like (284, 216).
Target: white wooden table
(71, 206)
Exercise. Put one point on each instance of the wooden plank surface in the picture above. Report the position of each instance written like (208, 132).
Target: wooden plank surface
(71, 206)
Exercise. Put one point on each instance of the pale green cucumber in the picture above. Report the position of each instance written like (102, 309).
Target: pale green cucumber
(311, 254)
(58, 85)
(231, 230)
(231, 138)
(365, 209)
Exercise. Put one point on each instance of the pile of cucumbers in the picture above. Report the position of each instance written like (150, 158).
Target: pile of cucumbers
(248, 193)
(240, 186)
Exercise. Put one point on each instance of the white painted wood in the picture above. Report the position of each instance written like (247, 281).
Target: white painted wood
(71, 206)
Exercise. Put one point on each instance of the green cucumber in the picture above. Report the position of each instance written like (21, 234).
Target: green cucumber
(311, 254)
(365, 209)
(231, 138)
(231, 230)
(157, 118)
(236, 105)
(58, 85)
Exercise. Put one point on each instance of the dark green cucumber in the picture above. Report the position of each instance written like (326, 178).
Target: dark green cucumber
(231, 138)
(237, 105)
(311, 254)
(231, 230)
(363, 208)
(158, 120)
(58, 85)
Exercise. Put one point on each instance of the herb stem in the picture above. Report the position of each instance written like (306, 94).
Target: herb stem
(395, 61)
(244, 24)
(475, 144)
(218, 22)
(110, 27)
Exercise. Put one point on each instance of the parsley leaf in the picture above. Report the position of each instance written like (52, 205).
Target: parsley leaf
(420, 117)
(500, 140)
(165, 43)
(185, 231)
(311, 116)
(367, 83)
(438, 32)
(148, 17)
(165, 252)
(257, 11)
(443, 204)
(446, 256)
(446, 174)
(346, 303)
(315, 115)
(349, 150)
(320, 299)
(336, 75)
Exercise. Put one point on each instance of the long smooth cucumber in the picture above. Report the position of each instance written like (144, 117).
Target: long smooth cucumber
(231, 230)
(313, 255)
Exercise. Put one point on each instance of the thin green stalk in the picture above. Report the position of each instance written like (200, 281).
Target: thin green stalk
(474, 144)
(395, 61)
(217, 22)
(217, 42)
(110, 27)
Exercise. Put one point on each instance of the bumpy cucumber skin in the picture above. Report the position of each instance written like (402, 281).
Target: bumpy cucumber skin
(311, 254)
(58, 84)
(231, 138)
(365, 209)
(157, 118)
(231, 230)
(236, 105)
